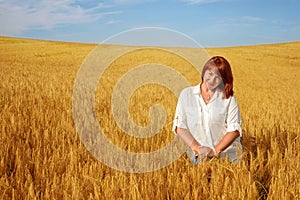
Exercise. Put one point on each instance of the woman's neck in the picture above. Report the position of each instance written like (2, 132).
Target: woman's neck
(206, 93)
(205, 89)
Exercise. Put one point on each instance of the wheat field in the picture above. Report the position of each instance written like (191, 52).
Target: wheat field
(42, 156)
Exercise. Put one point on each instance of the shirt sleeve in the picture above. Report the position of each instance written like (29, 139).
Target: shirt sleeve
(180, 115)
(234, 121)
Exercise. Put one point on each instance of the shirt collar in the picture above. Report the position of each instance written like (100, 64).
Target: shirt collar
(196, 89)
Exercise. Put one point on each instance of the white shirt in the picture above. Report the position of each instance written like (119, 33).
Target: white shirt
(208, 123)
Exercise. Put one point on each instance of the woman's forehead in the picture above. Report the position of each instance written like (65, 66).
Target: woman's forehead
(213, 69)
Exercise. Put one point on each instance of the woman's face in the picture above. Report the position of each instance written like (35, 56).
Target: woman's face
(212, 78)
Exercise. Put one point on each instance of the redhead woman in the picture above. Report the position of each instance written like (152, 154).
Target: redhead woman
(207, 116)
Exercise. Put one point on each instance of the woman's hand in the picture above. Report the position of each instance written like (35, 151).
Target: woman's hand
(195, 147)
(205, 152)
(201, 151)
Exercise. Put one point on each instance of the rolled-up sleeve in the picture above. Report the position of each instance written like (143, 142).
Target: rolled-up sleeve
(234, 121)
(180, 116)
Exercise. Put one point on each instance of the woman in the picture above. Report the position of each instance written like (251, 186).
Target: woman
(207, 116)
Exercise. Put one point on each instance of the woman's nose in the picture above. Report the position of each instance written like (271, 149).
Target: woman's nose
(214, 79)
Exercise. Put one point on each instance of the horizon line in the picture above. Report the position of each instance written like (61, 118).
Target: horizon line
(90, 43)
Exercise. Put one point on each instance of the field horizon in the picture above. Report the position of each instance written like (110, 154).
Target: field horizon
(43, 157)
(86, 43)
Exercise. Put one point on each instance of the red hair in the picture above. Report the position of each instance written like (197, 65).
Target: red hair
(224, 69)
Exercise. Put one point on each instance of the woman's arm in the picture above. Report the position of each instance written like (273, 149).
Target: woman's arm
(187, 138)
(226, 141)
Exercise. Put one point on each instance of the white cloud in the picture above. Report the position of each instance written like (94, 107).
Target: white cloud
(201, 1)
(253, 19)
(131, 1)
(17, 16)
(242, 22)
(113, 21)
(123, 1)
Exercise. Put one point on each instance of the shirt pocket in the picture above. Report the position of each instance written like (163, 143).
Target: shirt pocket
(218, 116)
(194, 118)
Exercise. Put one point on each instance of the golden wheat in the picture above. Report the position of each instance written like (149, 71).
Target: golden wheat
(42, 157)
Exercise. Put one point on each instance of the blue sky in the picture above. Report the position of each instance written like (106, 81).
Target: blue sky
(212, 23)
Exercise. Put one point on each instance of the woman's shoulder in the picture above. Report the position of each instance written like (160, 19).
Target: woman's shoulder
(232, 99)
(190, 90)
(229, 100)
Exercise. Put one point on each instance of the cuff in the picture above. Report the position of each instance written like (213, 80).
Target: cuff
(234, 127)
(214, 150)
(178, 124)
